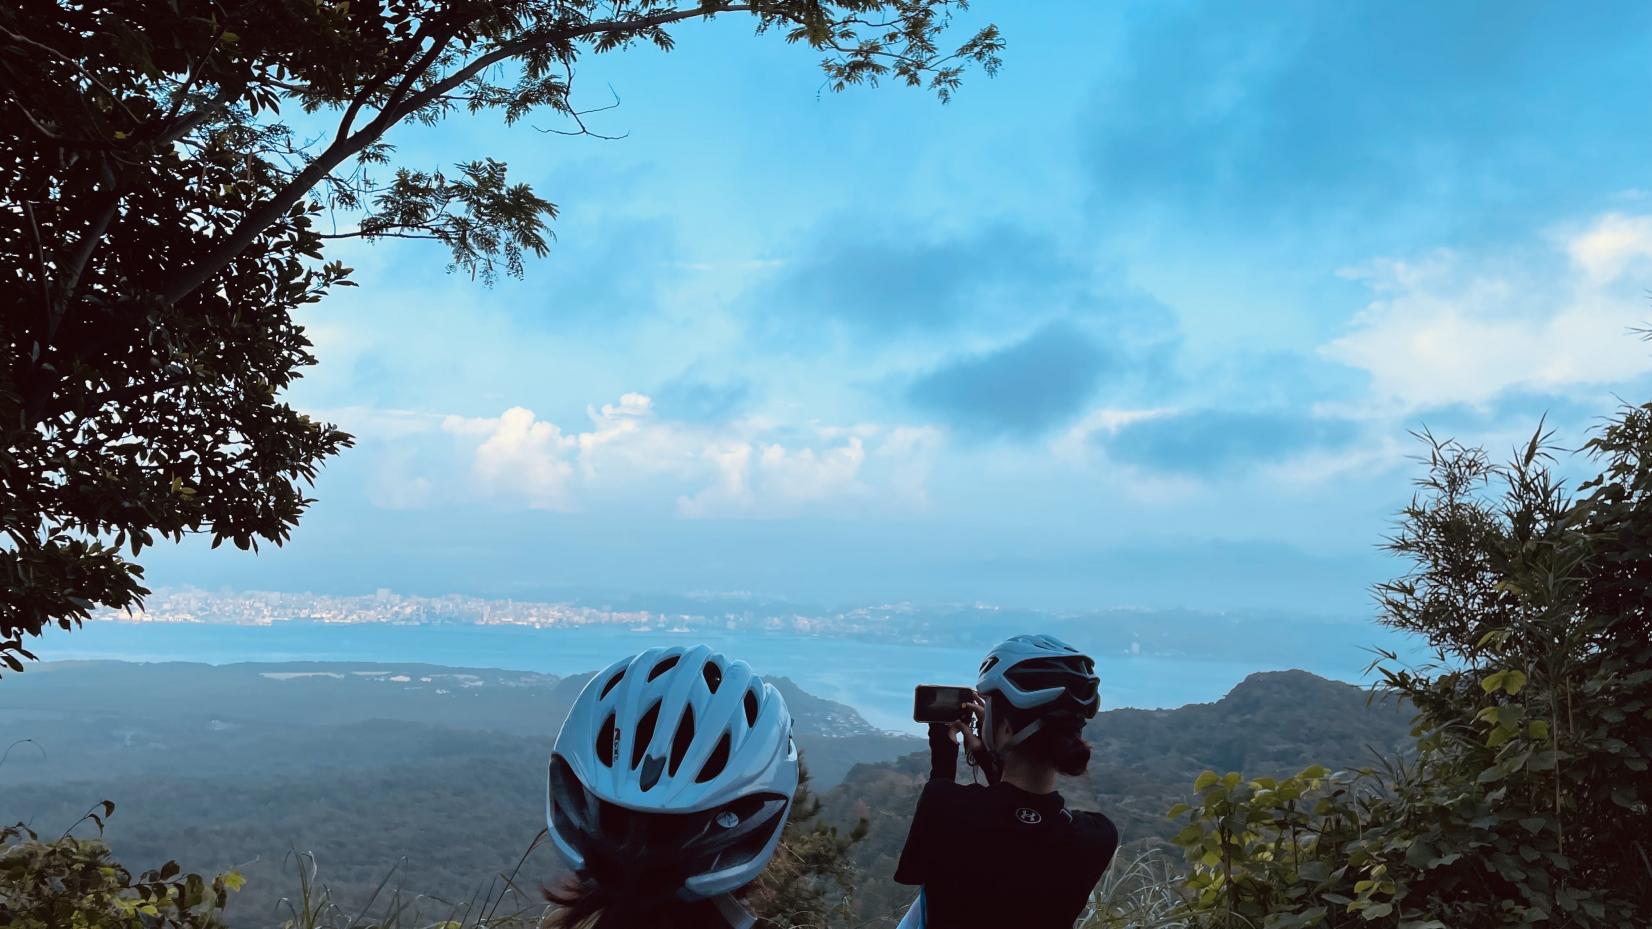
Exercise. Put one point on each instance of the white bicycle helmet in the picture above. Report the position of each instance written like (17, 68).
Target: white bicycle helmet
(672, 775)
(1041, 674)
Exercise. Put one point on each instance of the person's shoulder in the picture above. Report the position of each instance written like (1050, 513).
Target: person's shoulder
(952, 790)
(1096, 829)
(948, 798)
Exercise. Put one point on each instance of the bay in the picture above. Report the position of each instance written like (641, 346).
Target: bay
(874, 678)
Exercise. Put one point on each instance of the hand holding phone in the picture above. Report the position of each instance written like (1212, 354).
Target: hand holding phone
(937, 703)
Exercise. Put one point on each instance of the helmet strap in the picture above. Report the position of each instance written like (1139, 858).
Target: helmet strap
(733, 912)
(1019, 736)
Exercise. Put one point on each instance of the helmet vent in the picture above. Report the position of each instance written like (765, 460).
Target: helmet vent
(987, 665)
(751, 707)
(716, 763)
(612, 683)
(682, 740)
(605, 742)
(713, 675)
(644, 734)
(664, 666)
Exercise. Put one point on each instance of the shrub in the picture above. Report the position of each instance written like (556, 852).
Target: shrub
(73, 882)
(1525, 799)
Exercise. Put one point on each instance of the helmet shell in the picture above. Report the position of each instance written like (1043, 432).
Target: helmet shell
(1041, 672)
(694, 746)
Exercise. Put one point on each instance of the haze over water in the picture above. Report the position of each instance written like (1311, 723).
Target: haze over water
(875, 678)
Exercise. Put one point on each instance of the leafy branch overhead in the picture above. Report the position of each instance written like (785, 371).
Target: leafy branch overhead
(160, 222)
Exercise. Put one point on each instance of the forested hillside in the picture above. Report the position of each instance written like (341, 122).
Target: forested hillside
(436, 772)
(1271, 724)
(122, 719)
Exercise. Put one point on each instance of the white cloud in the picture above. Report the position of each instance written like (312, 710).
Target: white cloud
(522, 455)
(1450, 329)
(1616, 241)
(755, 478)
(742, 468)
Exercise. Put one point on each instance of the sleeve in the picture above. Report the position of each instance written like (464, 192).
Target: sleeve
(943, 754)
(1103, 841)
(929, 817)
(925, 839)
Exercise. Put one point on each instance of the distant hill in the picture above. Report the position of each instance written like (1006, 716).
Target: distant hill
(366, 765)
(1145, 761)
(123, 719)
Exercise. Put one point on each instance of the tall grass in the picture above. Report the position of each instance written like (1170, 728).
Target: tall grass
(503, 904)
(1140, 893)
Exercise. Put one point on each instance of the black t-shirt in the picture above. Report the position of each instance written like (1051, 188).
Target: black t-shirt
(999, 857)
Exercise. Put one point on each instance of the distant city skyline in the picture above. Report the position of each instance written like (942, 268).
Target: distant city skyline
(295, 624)
(1144, 321)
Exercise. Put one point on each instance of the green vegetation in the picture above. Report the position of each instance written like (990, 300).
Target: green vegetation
(811, 879)
(160, 222)
(366, 775)
(1519, 793)
(434, 772)
(1525, 800)
(1139, 891)
(444, 826)
(72, 881)
(1502, 785)
(459, 880)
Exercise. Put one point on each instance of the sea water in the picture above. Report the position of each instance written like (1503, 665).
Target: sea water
(873, 677)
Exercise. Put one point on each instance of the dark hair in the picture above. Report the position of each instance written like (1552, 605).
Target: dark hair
(1059, 741)
(586, 903)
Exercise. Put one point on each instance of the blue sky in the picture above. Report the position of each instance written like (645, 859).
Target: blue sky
(1144, 321)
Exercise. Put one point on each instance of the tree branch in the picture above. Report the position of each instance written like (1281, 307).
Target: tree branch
(578, 116)
(260, 218)
(40, 259)
(382, 234)
(439, 40)
(206, 111)
(83, 253)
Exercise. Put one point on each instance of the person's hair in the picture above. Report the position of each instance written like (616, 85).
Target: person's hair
(583, 902)
(1059, 742)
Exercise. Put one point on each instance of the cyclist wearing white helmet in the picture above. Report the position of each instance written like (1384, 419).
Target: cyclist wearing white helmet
(1010, 853)
(668, 788)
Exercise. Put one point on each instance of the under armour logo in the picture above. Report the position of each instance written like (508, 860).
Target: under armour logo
(1028, 816)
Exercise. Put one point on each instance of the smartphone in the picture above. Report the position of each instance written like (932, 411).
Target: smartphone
(938, 703)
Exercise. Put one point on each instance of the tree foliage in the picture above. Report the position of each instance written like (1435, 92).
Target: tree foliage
(73, 882)
(160, 221)
(811, 879)
(1525, 800)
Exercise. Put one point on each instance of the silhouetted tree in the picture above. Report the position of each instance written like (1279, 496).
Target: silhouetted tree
(159, 226)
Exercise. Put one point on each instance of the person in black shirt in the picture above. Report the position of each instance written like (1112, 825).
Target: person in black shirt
(1009, 854)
